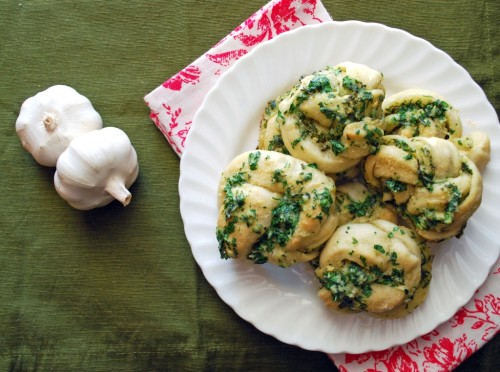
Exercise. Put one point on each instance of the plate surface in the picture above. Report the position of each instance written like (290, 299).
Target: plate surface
(283, 302)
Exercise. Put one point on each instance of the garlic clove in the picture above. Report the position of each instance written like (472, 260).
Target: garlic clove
(97, 168)
(51, 119)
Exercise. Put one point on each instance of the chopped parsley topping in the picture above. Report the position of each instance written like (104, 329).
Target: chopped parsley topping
(362, 208)
(278, 177)
(233, 201)
(426, 178)
(305, 177)
(416, 114)
(352, 284)
(355, 86)
(363, 259)
(403, 145)
(277, 144)
(319, 83)
(355, 104)
(296, 141)
(393, 256)
(253, 160)
(285, 217)
(466, 168)
(372, 136)
(429, 218)
(451, 208)
(337, 147)
(395, 186)
(324, 199)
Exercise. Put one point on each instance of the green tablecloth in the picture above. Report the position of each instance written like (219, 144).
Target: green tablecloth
(117, 288)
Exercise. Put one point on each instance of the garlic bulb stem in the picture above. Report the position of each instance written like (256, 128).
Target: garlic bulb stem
(49, 122)
(117, 189)
(97, 168)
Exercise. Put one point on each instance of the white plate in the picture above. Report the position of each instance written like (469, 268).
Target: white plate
(283, 302)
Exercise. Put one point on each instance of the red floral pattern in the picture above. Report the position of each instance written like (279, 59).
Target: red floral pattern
(481, 316)
(226, 58)
(186, 90)
(445, 354)
(444, 348)
(173, 105)
(190, 75)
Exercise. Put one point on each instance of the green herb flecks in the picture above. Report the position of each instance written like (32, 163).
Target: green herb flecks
(362, 208)
(455, 198)
(319, 83)
(351, 84)
(324, 199)
(277, 144)
(395, 186)
(234, 200)
(393, 257)
(351, 285)
(285, 217)
(227, 245)
(337, 147)
(403, 145)
(426, 178)
(466, 168)
(427, 219)
(253, 160)
(408, 157)
(417, 114)
(304, 177)
(278, 177)
(373, 136)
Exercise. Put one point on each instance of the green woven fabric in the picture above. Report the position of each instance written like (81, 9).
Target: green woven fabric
(117, 288)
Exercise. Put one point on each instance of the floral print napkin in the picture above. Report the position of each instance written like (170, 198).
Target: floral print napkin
(445, 347)
(173, 105)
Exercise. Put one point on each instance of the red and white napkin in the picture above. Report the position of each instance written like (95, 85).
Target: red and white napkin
(445, 347)
(174, 103)
(173, 106)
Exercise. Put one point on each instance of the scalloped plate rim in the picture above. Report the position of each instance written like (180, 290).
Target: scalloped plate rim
(191, 153)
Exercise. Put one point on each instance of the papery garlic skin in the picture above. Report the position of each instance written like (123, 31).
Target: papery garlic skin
(97, 168)
(51, 119)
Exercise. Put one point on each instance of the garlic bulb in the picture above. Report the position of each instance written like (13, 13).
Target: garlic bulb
(49, 120)
(96, 168)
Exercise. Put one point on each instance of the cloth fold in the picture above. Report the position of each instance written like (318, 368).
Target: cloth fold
(173, 105)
